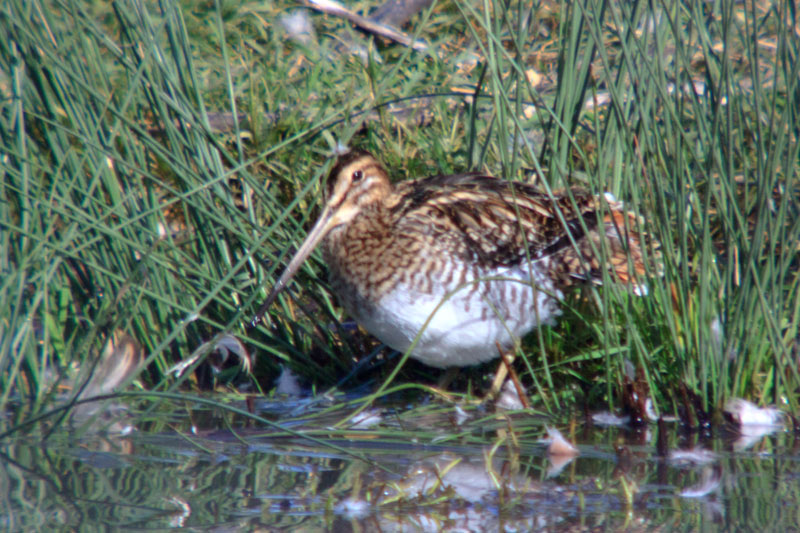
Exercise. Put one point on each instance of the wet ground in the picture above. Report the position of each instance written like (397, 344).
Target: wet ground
(432, 468)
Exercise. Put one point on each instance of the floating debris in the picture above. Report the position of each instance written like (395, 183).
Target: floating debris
(558, 444)
(288, 384)
(745, 413)
(366, 419)
(752, 422)
(353, 508)
(460, 415)
(609, 419)
(122, 357)
(560, 451)
(509, 398)
(221, 346)
(298, 26)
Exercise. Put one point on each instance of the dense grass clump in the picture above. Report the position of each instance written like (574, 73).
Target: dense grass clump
(160, 161)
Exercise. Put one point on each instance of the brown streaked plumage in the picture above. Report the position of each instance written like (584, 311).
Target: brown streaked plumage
(459, 264)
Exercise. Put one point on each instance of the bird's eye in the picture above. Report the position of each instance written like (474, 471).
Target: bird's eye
(357, 175)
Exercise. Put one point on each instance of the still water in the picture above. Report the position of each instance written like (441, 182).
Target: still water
(431, 468)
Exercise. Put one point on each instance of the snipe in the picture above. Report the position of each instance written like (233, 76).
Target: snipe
(468, 262)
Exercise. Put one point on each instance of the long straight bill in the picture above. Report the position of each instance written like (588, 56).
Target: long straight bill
(326, 221)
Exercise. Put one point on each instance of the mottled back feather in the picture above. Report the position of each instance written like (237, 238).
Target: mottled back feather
(484, 223)
(502, 223)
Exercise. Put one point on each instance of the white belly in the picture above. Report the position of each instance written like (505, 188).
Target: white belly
(462, 328)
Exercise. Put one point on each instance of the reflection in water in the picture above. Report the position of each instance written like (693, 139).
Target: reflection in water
(709, 482)
(691, 456)
(438, 475)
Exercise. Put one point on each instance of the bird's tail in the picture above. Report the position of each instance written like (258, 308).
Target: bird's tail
(612, 239)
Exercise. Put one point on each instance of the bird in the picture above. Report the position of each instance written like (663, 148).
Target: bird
(451, 267)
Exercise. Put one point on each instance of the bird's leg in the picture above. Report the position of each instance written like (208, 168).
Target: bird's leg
(502, 372)
(506, 369)
(447, 378)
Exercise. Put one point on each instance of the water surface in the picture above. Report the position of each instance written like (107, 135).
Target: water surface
(429, 468)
